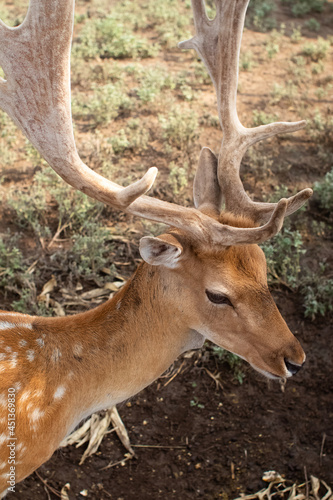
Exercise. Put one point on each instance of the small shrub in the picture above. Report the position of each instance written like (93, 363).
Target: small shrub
(180, 127)
(312, 25)
(259, 15)
(300, 8)
(323, 191)
(108, 37)
(262, 118)
(321, 129)
(235, 363)
(283, 253)
(316, 51)
(317, 291)
(106, 103)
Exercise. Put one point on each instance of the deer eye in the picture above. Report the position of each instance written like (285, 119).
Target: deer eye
(218, 298)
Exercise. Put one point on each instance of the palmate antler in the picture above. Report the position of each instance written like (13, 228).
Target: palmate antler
(218, 43)
(36, 94)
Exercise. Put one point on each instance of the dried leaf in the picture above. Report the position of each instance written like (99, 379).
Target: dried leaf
(47, 288)
(120, 429)
(63, 493)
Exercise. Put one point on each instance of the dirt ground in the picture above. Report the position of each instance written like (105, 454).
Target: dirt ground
(192, 438)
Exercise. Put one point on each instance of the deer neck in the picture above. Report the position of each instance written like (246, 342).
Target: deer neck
(112, 352)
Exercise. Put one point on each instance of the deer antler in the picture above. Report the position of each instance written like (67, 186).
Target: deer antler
(36, 94)
(218, 42)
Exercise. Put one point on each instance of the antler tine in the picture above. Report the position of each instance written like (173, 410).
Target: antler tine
(36, 94)
(218, 43)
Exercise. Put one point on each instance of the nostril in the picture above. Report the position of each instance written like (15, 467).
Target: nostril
(292, 367)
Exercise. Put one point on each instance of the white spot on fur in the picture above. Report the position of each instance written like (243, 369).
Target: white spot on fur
(5, 325)
(2, 356)
(30, 355)
(36, 415)
(77, 349)
(118, 305)
(3, 438)
(3, 400)
(40, 342)
(60, 391)
(13, 361)
(17, 386)
(23, 343)
(56, 355)
(3, 465)
(25, 395)
(8, 348)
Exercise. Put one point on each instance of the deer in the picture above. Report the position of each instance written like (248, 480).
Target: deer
(203, 278)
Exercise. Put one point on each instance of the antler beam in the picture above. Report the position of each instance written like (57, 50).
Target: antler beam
(218, 43)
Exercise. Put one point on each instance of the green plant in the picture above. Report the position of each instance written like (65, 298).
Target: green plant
(323, 191)
(312, 25)
(234, 362)
(262, 118)
(178, 177)
(259, 15)
(109, 37)
(296, 35)
(317, 291)
(11, 260)
(90, 251)
(283, 253)
(246, 62)
(134, 137)
(316, 51)
(321, 129)
(300, 8)
(180, 127)
(106, 103)
(195, 403)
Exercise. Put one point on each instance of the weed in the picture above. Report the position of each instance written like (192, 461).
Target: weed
(259, 15)
(108, 37)
(195, 403)
(11, 260)
(282, 92)
(316, 51)
(317, 291)
(273, 44)
(323, 191)
(300, 8)
(134, 137)
(180, 127)
(234, 362)
(106, 103)
(246, 62)
(90, 251)
(296, 35)
(321, 129)
(152, 82)
(262, 118)
(178, 177)
(312, 25)
(283, 253)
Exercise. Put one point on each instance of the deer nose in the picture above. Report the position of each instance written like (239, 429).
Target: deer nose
(292, 367)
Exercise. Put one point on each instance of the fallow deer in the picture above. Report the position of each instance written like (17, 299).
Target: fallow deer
(203, 279)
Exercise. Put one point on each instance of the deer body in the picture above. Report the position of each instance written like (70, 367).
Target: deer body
(64, 369)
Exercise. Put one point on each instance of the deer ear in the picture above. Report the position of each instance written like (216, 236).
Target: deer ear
(164, 250)
(206, 189)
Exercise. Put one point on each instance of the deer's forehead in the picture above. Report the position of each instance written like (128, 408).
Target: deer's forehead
(245, 264)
